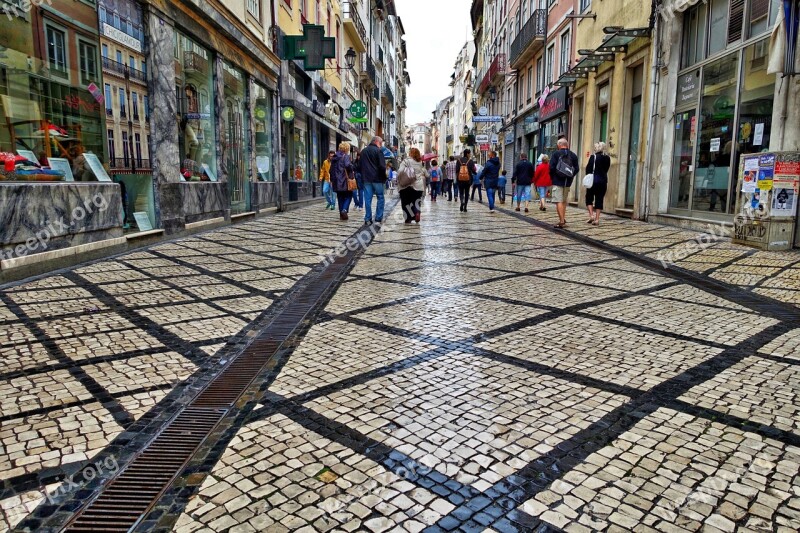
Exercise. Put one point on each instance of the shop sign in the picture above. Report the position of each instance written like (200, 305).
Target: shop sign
(488, 118)
(121, 37)
(318, 107)
(554, 104)
(482, 139)
(495, 139)
(688, 88)
(509, 137)
(485, 147)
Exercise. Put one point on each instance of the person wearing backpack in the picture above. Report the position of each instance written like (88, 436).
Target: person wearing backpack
(465, 173)
(523, 177)
(436, 180)
(563, 168)
(450, 180)
(411, 181)
(341, 173)
(491, 177)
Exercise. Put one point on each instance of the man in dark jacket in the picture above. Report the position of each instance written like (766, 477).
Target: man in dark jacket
(563, 168)
(373, 172)
(491, 175)
(464, 185)
(523, 176)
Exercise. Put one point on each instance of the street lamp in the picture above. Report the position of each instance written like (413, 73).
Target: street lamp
(350, 58)
(392, 118)
(492, 93)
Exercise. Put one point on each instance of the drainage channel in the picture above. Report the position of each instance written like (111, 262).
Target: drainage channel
(128, 497)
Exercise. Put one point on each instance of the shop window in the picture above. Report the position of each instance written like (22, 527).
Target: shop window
(88, 62)
(263, 117)
(716, 135)
(197, 126)
(756, 93)
(682, 159)
(234, 143)
(57, 52)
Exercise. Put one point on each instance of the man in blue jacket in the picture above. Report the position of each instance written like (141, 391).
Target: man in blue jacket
(563, 168)
(491, 176)
(373, 172)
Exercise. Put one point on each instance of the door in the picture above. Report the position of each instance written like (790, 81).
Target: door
(683, 159)
(633, 150)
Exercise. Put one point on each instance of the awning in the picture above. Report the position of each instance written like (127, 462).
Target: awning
(617, 40)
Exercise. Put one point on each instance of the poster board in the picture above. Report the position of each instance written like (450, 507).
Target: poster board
(208, 172)
(143, 221)
(59, 163)
(29, 155)
(97, 167)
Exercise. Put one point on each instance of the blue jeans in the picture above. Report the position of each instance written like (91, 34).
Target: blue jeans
(345, 198)
(358, 197)
(436, 188)
(330, 196)
(377, 189)
(490, 197)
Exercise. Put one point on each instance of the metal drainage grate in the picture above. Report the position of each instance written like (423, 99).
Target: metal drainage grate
(131, 494)
(128, 498)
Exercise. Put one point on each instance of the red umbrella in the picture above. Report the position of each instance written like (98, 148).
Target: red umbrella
(428, 157)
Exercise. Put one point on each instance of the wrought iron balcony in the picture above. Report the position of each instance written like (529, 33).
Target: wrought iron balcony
(354, 25)
(496, 70)
(530, 39)
(388, 95)
(114, 67)
(368, 72)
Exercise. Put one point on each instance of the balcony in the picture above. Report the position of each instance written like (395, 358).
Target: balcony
(376, 94)
(137, 75)
(495, 71)
(530, 39)
(113, 67)
(194, 62)
(368, 73)
(354, 26)
(388, 96)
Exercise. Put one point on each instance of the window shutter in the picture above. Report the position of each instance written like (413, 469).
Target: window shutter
(736, 21)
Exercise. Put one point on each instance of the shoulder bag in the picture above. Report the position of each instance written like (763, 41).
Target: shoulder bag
(407, 177)
(588, 179)
(564, 167)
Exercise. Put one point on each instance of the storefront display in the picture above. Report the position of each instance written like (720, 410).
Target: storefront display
(197, 124)
(300, 148)
(50, 106)
(553, 119)
(234, 145)
(263, 118)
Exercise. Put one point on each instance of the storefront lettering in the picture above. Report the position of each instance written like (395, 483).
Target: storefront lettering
(555, 104)
(121, 37)
(77, 103)
(688, 88)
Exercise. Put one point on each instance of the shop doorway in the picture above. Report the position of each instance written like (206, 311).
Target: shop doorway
(633, 150)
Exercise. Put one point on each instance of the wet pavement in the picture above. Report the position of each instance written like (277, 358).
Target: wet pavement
(476, 372)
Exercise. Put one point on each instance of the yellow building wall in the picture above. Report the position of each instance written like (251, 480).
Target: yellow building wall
(628, 14)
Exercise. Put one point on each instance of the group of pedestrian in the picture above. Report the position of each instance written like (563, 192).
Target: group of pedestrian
(366, 176)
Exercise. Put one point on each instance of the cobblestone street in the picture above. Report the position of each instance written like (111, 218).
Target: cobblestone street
(474, 372)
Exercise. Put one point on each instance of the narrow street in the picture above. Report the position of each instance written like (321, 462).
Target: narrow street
(475, 372)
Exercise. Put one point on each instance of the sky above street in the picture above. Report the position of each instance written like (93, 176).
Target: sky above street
(436, 30)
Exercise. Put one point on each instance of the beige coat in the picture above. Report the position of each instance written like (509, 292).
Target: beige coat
(419, 171)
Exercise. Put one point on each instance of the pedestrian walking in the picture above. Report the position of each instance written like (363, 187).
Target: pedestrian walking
(465, 172)
(523, 175)
(450, 180)
(343, 179)
(598, 166)
(563, 168)
(411, 178)
(373, 174)
(542, 181)
(325, 178)
(358, 194)
(501, 187)
(477, 180)
(491, 178)
(436, 179)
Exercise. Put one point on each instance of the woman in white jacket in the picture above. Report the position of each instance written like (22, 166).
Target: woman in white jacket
(411, 193)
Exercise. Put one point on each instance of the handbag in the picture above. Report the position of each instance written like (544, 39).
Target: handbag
(352, 184)
(406, 177)
(588, 179)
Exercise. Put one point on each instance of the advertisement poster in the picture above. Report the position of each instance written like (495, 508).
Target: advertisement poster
(97, 167)
(755, 201)
(59, 163)
(784, 196)
(765, 179)
(750, 175)
(758, 137)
